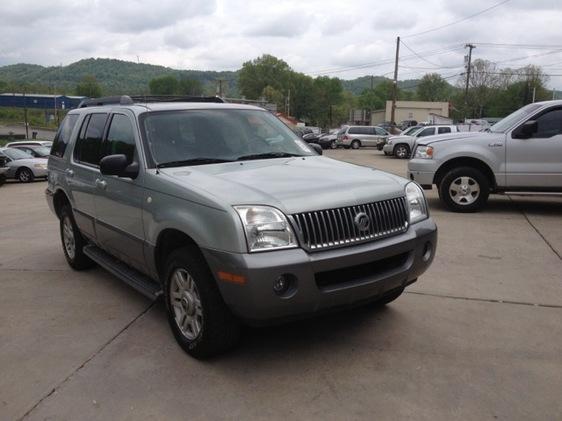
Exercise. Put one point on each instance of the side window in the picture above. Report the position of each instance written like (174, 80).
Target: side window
(87, 148)
(441, 130)
(120, 138)
(380, 131)
(63, 135)
(371, 130)
(354, 130)
(427, 132)
(549, 124)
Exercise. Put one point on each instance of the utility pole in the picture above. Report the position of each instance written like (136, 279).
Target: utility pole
(289, 103)
(468, 65)
(371, 82)
(534, 92)
(395, 82)
(25, 115)
(553, 94)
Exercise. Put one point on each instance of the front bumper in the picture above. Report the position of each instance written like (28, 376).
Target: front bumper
(388, 148)
(354, 275)
(422, 171)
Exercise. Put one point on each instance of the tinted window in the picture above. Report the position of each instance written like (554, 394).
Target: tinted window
(427, 132)
(63, 135)
(120, 138)
(549, 124)
(380, 132)
(443, 130)
(87, 148)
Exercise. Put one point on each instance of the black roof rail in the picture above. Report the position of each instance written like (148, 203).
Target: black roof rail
(175, 98)
(106, 100)
(143, 99)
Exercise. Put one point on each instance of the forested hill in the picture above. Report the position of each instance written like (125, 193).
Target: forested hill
(118, 77)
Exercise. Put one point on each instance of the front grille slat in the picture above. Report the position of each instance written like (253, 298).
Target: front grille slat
(329, 228)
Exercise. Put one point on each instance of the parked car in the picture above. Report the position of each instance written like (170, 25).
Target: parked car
(33, 150)
(3, 170)
(23, 166)
(45, 143)
(328, 140)
(355, 137)
(407, 123)
(221, 209)
(401, 146)
(311, 137)
(522, 152)
(408, 132)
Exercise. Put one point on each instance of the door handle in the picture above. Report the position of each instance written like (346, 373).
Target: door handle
(101, 184)
(69, 173)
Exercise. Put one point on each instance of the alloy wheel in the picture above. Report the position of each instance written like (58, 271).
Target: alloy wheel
(464, 190)
(186, 304)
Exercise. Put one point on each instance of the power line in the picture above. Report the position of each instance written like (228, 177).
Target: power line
(519, 46)
(458, 21)
(422, 58)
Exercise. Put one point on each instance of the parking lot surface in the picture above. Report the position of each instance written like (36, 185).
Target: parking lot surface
(479, 336)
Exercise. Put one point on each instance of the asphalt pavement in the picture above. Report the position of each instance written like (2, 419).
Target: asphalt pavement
(479, 336)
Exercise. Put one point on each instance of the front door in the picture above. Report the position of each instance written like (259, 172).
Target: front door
(119, 200)
(536, 162)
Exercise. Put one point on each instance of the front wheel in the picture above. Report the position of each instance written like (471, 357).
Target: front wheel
(200, 320)
(402, 151)
(25, 175)
(464, 189)
(355, 144)
(333, 145)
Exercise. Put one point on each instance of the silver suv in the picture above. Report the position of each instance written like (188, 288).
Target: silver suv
(521, 153)
(221, 209)
(401, 146)
(358, 136)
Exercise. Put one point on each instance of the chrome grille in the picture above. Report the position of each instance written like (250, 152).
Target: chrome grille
(330, 228)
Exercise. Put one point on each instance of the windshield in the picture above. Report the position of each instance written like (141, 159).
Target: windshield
(410, 131)
(16, 154)
(42, 151)
(506, 123)
(198, 137)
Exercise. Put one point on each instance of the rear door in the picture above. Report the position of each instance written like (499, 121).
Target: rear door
(83, 171)
(119, 200)
(536, 162)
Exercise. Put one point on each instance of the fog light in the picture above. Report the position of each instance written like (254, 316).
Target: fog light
(281, 285)
(427, 252)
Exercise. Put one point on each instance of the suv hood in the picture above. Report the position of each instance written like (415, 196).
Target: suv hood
(290, 184)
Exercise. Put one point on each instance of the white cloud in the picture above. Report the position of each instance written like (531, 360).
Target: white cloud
(311, 36)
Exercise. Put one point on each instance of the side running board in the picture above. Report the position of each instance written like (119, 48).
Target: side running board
(132, 277)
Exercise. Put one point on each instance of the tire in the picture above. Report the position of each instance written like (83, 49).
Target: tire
(2, 179)
(401, 151)
(464, 189)
(211, 328)
(356, 144)
(72, 241)
(389, 297)
(333, 144)
(25, 175)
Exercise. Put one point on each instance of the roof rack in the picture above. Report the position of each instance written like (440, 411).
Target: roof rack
(143, 99)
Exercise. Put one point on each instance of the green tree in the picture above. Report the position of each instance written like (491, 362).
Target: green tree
(302, 96)
(370, 100)
(88, 86)
(328, 92)
(188, 86)
(274, 96)
(263, 71)
(433, 87)
(3, 86)
(164, 85)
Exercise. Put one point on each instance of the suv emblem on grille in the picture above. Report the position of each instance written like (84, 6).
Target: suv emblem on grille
(362, 221)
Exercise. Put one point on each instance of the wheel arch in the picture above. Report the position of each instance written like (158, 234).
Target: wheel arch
(59, 200)
(170, 239)
(465, 162)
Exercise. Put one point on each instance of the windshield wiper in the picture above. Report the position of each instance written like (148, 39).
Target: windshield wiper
(267, 155)
(192, 161)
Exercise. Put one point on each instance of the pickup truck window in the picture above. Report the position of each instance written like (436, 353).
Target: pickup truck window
(549, 124)
(428, 131)
(441, 130)
(512, 119)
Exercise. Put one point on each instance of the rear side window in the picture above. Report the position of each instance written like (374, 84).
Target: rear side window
(120, 138)
(88, 145)
(441, 130)
(63, 135)
(427, 132)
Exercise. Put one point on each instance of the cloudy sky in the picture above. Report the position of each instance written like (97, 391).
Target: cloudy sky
(338, 38)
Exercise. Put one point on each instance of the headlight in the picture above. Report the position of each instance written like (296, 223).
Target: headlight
(416, 203)
(424, 152)
(266, 228)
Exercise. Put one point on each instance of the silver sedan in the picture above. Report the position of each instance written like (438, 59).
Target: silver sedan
(23, 166)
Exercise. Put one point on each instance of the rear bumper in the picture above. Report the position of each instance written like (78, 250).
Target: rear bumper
(324, 280)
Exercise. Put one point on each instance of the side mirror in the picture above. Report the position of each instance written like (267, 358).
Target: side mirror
(317, 148)
(526, 130)
(118, 165)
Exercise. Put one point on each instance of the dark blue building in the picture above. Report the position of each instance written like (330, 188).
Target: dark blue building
(40, 101)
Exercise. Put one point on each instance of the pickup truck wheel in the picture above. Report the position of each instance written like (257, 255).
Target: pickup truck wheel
(200, 320)
(402, 151)
(355, 144)
(464, 189)
(72, 241)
